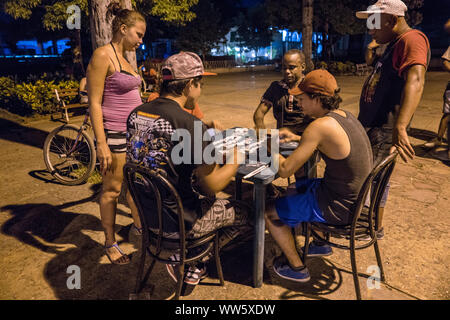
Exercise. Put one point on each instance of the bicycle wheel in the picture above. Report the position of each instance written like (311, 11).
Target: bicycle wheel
(69, 154)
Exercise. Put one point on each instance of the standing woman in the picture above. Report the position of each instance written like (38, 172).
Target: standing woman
(113, 88)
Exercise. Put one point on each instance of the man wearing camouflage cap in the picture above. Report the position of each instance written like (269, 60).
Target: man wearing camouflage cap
(152, 133)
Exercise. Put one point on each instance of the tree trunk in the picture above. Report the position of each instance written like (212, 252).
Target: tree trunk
(101, 20)
(326, 42)
(78, 55)
(307, 32)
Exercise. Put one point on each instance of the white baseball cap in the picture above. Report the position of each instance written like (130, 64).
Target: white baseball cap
(393, 7)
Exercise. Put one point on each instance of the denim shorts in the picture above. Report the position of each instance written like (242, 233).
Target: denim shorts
(381, 142)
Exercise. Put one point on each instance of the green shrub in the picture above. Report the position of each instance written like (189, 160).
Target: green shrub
(27, 98)
(7, 89)
(322, 65)
(332, 67)
(339, 67)
(351, 67)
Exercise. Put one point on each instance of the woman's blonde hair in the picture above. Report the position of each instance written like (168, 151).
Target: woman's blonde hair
(123, 16)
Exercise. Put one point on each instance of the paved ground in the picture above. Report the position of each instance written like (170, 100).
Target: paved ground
(47, 227)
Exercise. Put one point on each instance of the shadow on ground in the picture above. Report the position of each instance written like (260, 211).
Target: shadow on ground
(421, 134)
(68, 235)
(434, 154)
(14, 132)
(45, 176)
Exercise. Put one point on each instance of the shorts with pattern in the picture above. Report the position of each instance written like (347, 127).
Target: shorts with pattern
(116, 141)
(230, 216)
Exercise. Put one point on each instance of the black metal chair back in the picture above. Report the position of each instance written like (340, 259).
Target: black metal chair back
(363, 223)
(162, 216)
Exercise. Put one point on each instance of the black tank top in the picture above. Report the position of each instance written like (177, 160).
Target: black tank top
(120, 65)
(381, 94)
(343, 179)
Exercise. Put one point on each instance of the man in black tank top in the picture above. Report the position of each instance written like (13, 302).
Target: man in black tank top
(343, 144)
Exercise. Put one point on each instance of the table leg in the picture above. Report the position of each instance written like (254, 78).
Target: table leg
(258, 245)
(238, 189)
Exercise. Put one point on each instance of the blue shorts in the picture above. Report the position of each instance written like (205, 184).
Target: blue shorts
(300, 207)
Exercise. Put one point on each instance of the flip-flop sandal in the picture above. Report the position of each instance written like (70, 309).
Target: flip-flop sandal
(116, 246)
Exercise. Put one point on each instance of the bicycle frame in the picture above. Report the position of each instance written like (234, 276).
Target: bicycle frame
(82, 127)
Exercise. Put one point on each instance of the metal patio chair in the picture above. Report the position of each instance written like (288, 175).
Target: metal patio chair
(363, 223)
(153, 193)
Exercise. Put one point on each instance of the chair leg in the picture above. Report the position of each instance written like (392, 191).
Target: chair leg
(355, 269)
(379, 261)
(148, 272)
(218, 264)
(180, 280)
(307, 237)
(137, 289)
(238, 189)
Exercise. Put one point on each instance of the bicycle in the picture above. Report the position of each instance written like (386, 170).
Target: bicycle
(69, 153)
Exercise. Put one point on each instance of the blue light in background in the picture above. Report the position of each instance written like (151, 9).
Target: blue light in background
(28, 45)
(62, 45)
(294, 36)
(33, 45)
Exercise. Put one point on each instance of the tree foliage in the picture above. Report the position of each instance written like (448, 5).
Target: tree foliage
(177, 11)
(254, 31)
(20, 9)
(413, 15)
(54, 16)
(211, 24)
(340, 16)
(284, 14)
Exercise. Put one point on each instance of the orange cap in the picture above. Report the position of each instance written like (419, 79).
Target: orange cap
(317, 81)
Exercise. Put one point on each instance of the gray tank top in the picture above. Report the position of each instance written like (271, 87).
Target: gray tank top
(343, 179)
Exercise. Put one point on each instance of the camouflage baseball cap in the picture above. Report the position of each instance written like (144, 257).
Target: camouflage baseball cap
(183, 65)
(393, 7)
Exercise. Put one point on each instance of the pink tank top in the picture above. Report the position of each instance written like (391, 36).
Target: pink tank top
(120, 97)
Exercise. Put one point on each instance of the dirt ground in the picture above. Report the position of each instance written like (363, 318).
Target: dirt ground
(46, 227)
